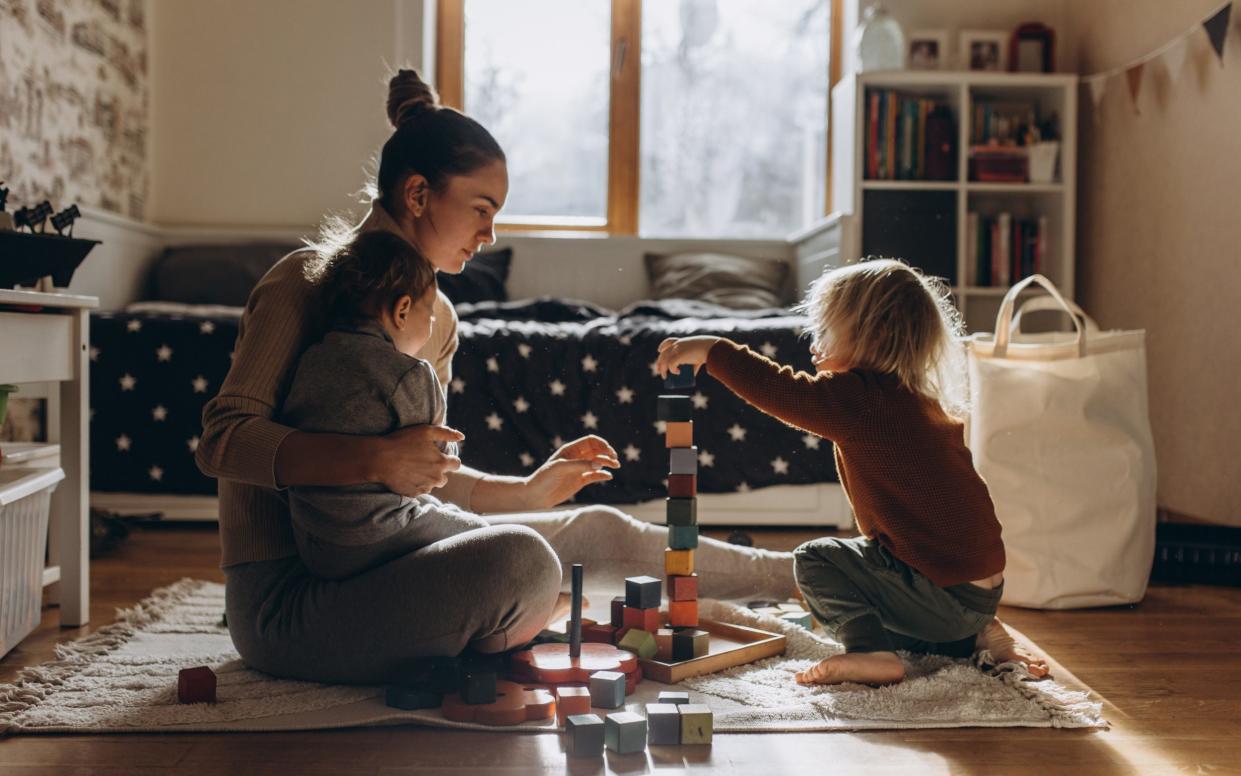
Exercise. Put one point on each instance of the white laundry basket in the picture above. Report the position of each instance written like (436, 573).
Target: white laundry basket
(25, 500)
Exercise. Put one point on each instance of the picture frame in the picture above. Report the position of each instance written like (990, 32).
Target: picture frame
(1032, 49)
(984, 50)
(928, 50)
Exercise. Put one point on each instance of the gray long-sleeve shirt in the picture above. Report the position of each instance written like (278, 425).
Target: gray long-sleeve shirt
(355, 381)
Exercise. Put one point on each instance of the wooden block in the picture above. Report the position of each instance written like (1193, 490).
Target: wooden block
(196, 685)
(682, 485)
(763, 604)
(690, 643)
(624, 732)
(607, 689)
(683, 614)
(674, 408)
(441, 674)
(410, 697)
(683, 537)
(618, 611)
(799, 618)
(770, 611)
(789, 606)
(679, 562)
(663, 724)
(673, 696)
(663, 644)
(584, 735)
(600, 633)
(697, 723)
(646, 619)
(570, 701)
(682, 378)
(478, 686)
(642, 592)
(679, 434)
(640, 642)
(683, 460)
(683, 587)
(681, 511)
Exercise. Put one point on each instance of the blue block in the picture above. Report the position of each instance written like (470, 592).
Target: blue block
(584, 734)
(682, 537)
(683, 460)
(682, 378)
(642, 592)
(607, 689)
(625, 732)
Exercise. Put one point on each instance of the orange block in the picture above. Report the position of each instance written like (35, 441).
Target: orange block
(679, 562)
(663, 644)
(679, 434)
(643, 619)
(683, 614)
(570, 701)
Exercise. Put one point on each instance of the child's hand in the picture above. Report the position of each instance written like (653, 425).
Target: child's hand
(675, 352)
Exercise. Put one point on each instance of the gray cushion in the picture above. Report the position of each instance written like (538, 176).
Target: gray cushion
(732, 281)
(213, 274)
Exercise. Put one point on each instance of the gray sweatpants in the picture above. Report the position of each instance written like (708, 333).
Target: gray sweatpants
(872, 602)
(490, 589)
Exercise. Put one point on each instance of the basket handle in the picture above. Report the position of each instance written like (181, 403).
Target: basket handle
(1041, 303)
(1004, 319)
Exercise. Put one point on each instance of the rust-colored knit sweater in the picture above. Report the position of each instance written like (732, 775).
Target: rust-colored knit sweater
(902, 462)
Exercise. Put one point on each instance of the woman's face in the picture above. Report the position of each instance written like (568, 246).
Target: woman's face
(458, 221)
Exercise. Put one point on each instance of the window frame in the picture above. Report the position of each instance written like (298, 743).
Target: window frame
(624, 110)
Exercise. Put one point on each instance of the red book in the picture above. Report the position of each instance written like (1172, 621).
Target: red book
(872, 138)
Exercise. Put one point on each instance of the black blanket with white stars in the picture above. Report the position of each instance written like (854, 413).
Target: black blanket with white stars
(527, 377)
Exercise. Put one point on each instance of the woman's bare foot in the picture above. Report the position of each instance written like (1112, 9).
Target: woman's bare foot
(860, 667)
(996, 639)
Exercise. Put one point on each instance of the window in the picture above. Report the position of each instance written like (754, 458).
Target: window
(672, 118)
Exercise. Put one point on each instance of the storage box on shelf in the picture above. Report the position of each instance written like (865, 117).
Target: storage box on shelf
(889, 148)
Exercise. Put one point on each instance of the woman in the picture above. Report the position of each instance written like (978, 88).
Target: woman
(442, 179)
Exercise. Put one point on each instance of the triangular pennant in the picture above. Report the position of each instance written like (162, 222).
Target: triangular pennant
(1174, 57)
(1098, 87)
(1217, 30)
(1134, 76)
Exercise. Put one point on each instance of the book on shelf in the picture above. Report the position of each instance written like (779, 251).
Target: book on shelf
(1001, 249)
(908, 137)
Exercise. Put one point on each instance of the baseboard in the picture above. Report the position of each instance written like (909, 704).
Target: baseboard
(1192, 552)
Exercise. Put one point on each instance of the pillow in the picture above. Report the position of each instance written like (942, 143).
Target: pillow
(213, 274)
(482, 280)
(731, 281)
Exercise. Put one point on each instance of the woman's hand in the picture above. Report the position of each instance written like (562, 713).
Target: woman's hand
(574, 466)
(410, 463)
(675, 352)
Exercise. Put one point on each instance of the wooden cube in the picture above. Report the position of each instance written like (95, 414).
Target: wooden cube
(683, 614)
(679, 562)
(663, 724)
(571, 700)
(682, 378)
(663, 644)
(196, 685)
(600, 633)
(690, 643)
(618, 611)
(478, 685)
(697, 723)
(683, 587)
(683, 537)
(624, 732)
(799, 618)
(646, 619)
(673, 696)
(584, 735)
(640, 642)
(679, 434)
(681, 511)
(642, 592)
(410, 697)
(607, 689)
(674, 408)
(789, 606)
(683, 460)
(682, 485)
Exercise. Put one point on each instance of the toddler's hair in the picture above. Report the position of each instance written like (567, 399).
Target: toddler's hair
(884, 315)
(370, 273)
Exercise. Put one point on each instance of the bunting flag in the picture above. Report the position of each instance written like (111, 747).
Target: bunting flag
(1134, 76)
(1174, 57)
(1098, 86)
(1217, 30)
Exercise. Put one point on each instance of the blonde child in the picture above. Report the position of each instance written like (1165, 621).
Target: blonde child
(926, 574)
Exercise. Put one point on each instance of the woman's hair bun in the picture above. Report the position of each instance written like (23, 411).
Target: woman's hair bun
(409, 96)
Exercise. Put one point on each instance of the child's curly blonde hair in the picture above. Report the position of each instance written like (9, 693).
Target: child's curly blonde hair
(884, 315)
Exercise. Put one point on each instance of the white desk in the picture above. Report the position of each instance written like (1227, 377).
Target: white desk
(51, 345)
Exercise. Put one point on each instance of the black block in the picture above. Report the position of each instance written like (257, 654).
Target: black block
(674, 408)
(642, 592)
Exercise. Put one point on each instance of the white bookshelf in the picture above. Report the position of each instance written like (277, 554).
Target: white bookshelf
(854, 195)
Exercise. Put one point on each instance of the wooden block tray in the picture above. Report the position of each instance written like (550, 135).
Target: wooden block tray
(731, 645)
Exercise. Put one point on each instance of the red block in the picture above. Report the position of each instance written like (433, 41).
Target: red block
(646, 619)
(682, 485)
(600, 633)
(196, 685)
(682, 614)
(682, 588)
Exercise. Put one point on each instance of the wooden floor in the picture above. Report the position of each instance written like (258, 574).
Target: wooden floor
(1169, 671)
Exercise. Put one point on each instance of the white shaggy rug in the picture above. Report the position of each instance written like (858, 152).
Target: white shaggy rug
(123, 679)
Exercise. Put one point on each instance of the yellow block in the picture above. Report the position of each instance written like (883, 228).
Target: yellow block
(679, 562)
(679, 434)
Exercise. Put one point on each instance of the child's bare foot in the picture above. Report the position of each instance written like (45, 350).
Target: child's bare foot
(997, 639)
(860, 667)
